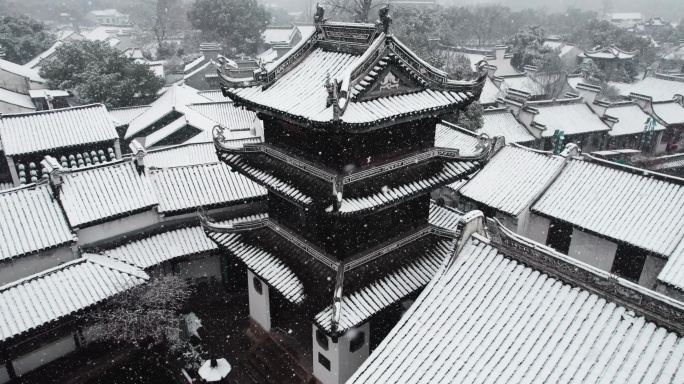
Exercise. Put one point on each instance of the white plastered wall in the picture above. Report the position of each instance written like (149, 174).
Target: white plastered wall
(201, 267)
(259, 303)
(343, 362)
(537, 228)
(110, 229)
(44, 355)
(649, 274)
(592, 250)
(4, 375)
(20, 267)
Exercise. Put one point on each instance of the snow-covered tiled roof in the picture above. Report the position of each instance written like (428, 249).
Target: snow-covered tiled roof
(58, 128)
(608, 53)
(659, 87)
(501, 122)
(264, 264)
(631, 119)
(16, 98)
(213, 95)
(571, 116)
(273, 35)
(46, 297)
(31, 220)
(443, 217)
(490, 318)
(34, 64)
(512, 179)
(489, 92)
(192, 65)
(181, 189)
(165, 246)
(502, 64)
(182, 154)
(226, 114)
(27, 72)
(357, 307)
(125, 115)
(107, 191)
(449, 135)
(523, 83)
(618, 202)
(175, 99)
(673, 272)
(670, 112)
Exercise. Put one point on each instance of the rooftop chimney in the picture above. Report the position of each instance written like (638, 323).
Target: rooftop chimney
(55, 170)
(210, 51)
(139, 153)
(589, 93)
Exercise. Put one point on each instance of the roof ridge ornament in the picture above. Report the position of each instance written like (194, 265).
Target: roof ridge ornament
(385, 20)
(319, 15)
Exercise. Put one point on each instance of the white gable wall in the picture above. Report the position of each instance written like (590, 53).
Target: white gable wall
(593, 250)
(20, 267)
(44, 355)
(110, 229)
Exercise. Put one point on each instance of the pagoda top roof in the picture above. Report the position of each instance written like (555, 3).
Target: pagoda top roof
(353, 76)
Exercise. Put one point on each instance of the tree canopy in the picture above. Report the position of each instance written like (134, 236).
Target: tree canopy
(23, 38)
(237, 24)
(98, 73)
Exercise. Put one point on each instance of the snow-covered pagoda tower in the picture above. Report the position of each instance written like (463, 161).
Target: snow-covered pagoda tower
(349, 160)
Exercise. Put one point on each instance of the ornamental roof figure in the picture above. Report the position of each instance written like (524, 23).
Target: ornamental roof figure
(377, 81)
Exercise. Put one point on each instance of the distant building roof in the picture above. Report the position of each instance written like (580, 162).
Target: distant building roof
(659, 87)
(213, 95)
(625, 16)
(46, 297)
(490, 317)
(572, 116)
(158, 248)
(34, 64)
(227, 115)
(182, 154)
(631, 119)
(502, 63)
(608, 53)
(20, 70)
(618, 202)
(523, 83)
(274, 35)
(31, 220)
(669, 112)
(527, 173)
(15, 98)
(127, 114)
(186, 188)
(101, 192)
(107, 12)
(501, 122)
(58, 128)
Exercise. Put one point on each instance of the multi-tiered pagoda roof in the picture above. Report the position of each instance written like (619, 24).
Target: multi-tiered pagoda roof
(350, 116)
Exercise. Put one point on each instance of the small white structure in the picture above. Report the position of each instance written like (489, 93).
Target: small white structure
(214, 370)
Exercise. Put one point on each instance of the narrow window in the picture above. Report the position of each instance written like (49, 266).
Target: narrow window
(258, 286)
(324, 361)
(322, 339)
(357, 342)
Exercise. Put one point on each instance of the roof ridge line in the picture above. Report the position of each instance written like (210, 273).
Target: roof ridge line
(131, 107)
(632, 169)
(2, 116)
(95, 166)
(46, 272)
(188, 166)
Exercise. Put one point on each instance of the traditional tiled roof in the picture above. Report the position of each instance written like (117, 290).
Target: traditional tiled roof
(264, 264)
(96, 193)
(31, 220)
(501, 122)
(296, 89)
(490, 92)
(572, 116)
(659, 87)
(227, 115)
(526, 173)
(631, 119)
(58, 128)
(175, 99)
(27, 72)
(524, 83)
(181, 189)
(490, 318)
(182, 154)
(213, 95)
(669, 112)
(502, 64)
(359, 306)
(672, 273)
(34, 64)
(46, 297)
(449, 135)
(156, 249)
(193, 64)
(125, 115)
(443, 217)
(15, 98)
(273, 35)
(618, 202)
(608, 53)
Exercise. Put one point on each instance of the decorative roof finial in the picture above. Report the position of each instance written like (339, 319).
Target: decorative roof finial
(318, 16)
(383, 24)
